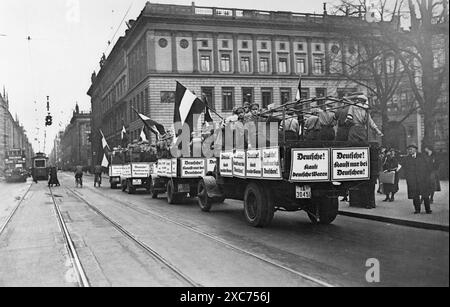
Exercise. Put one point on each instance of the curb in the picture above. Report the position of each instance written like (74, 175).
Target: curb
(415, 224)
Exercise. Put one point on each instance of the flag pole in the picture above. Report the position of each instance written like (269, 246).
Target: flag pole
(209, 108)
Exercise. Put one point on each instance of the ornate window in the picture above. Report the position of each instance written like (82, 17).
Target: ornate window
(163, 43)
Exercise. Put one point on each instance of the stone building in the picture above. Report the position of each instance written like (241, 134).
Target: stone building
(228, 54)
(75, 147)
(12, 133)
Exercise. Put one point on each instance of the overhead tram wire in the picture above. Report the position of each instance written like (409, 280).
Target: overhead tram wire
(110, 42)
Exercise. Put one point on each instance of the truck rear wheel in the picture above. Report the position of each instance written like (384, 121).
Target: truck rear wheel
(172, 197)
(323, 210)
(204, 201)
(258, 206)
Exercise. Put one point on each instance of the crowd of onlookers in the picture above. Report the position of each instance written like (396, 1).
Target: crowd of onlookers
(421, 171)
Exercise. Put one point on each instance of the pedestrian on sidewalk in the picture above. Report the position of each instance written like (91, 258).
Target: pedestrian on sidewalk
(381, 160)
(391, 165)
(79, 176)
(418, 174)
(434, 177)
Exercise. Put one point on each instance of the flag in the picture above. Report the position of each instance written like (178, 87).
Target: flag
(124, 137)
(105, 162)
(186, 105)
(298, 97)
(104, 142)
(155, 127)
(143, 135)
(208, 117)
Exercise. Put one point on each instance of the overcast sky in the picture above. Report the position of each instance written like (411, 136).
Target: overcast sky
(68, 38)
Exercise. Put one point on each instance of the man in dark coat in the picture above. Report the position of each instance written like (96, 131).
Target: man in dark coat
(417, 173)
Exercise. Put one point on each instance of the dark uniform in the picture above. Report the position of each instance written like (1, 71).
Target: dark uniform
(343, 127)
(417, 172)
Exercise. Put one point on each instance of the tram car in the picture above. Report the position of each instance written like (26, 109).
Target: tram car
(39, 167)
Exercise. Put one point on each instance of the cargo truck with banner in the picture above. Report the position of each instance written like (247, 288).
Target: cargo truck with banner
(16, 166)
(293, 175)
(179, 177)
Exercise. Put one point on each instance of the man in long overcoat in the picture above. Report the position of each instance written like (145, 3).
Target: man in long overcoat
(417, 173)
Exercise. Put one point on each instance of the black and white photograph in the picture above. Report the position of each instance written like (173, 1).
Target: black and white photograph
(222, 151)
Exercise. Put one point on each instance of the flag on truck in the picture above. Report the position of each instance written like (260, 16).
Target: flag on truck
(105, 162)
(186, 106)
(124, 137)
(143, 135)
(208, 117)
(156, 128)
(298, 97)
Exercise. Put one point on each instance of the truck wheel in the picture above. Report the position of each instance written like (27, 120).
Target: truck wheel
(113, 186)
(204, 202)
(172, 197)
(323, 210)
(131, 189)
(258, 207)
(328, 210)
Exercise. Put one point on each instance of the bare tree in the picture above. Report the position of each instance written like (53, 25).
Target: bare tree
(422, 55)
(367, 62)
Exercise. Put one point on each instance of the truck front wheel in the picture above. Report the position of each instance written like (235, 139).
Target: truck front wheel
(258, 205)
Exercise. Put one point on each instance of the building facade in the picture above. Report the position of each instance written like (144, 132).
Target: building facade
(12, 134)
(230, 55)
(74, 145)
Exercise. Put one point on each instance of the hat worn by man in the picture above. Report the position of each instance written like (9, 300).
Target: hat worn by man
(412, 146)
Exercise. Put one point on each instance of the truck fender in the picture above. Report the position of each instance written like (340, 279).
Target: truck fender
(212, 187)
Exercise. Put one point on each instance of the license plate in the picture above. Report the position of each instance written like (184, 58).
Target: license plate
(303, 192)
(184, 188)
(137, 181)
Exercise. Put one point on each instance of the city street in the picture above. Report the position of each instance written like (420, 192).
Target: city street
(134, 240)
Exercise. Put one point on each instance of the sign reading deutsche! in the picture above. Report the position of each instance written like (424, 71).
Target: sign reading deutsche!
(310, 165)
(192, 168)
(271, 165)
(226, 164)
(254, 164)
(350, 164)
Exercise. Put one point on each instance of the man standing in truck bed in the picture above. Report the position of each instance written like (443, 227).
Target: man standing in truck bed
(358, 116)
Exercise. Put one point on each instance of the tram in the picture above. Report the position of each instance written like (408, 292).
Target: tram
(39, 167)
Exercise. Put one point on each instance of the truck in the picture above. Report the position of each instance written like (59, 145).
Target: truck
(179, 177)
(139, 165)
(295, 175)
(16, 166)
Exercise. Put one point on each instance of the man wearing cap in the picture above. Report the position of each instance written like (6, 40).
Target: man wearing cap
(358, 116)
(417, 173)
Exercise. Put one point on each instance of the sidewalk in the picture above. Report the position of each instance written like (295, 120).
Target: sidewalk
(401, 211)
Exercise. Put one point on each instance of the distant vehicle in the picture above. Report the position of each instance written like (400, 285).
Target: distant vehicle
(39, 167)
(16, 166)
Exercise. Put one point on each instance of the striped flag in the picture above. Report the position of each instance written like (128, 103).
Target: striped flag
(143, 135)
(155, 127)
(105, 162)
(124, 137)
(298, 97)
(186, 105)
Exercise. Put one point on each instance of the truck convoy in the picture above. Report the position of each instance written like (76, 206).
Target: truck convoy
(16, 166)
(292, 175)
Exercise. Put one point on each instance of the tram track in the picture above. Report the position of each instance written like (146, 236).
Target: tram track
(217, 240)
(13, 212)
(74, 258)
(152, 252)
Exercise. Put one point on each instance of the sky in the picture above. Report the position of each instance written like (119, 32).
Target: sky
(67, 39)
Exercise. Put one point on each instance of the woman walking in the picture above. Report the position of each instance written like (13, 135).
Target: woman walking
(391, 164)
(434, 176)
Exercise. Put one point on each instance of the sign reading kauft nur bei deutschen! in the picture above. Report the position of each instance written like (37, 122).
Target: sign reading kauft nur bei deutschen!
(350, 164)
